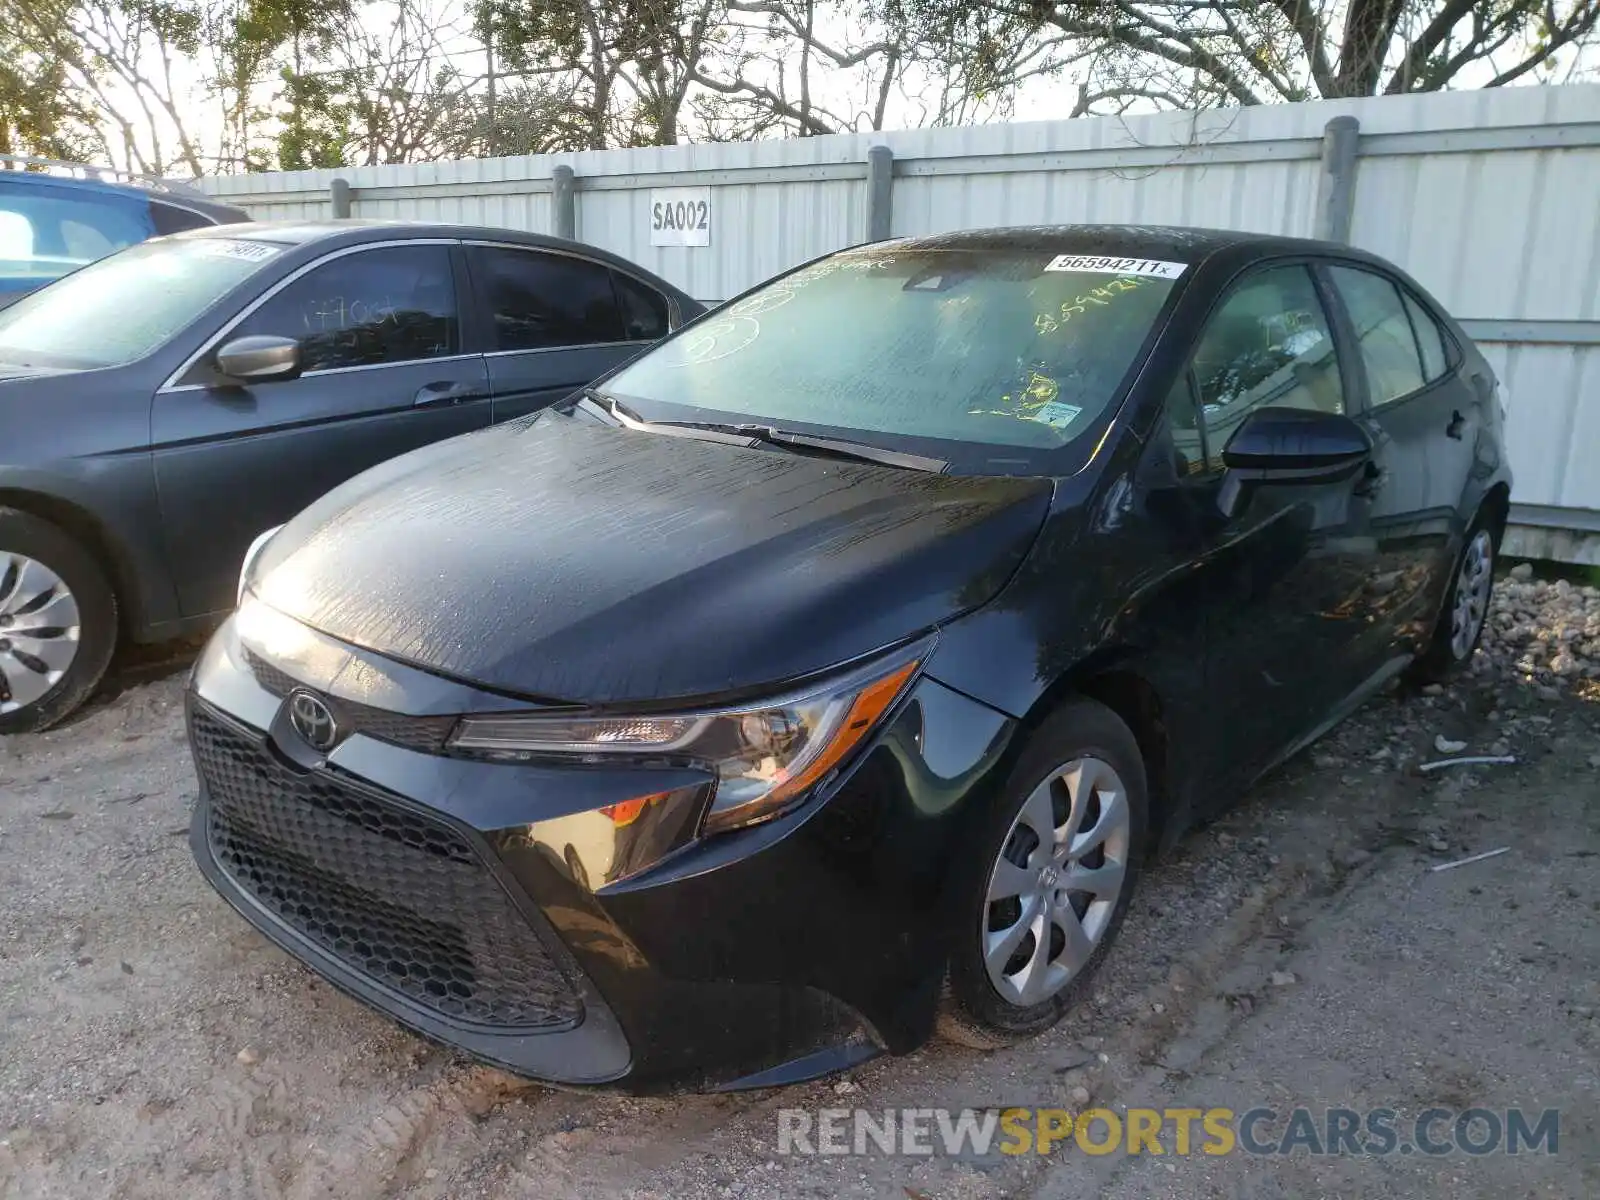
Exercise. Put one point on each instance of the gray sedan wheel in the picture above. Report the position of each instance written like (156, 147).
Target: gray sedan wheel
(39, 630)
(58, 623)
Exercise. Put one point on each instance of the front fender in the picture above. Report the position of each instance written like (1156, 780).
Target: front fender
(109, 502)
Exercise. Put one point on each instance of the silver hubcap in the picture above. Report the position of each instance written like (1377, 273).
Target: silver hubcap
(38, 631)
(1056, 882)
(1472, 594)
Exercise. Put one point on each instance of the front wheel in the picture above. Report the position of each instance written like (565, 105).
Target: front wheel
(58, 623)
(1466, 610)
(1060, 857)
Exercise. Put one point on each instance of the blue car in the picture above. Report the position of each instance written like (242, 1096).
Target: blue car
(51, 224)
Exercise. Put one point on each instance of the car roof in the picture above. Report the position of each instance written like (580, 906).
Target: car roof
(354, 231)
(176, 195)
(1170, 243)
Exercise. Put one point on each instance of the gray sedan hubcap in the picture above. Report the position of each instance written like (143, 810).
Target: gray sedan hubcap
(1472, 594)
(1056, 882)
(39, 629)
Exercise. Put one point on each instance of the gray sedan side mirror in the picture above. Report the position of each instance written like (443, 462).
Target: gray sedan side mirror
(259, 358)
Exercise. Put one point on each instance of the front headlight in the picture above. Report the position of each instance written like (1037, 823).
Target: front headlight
(250, 556)
(764, 757)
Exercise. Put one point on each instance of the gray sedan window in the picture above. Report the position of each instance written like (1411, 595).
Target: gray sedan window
(386, 305)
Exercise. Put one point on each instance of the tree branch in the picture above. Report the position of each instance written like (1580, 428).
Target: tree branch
(1308, 27)
(1424, 47)
(1581, 22)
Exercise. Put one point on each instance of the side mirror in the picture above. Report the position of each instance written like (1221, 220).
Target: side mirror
(1287, 446)
(259, 358)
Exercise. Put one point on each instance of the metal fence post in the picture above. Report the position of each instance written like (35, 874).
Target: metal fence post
(339, 193)
(564, 202)
(880, 193)
(1336, 187)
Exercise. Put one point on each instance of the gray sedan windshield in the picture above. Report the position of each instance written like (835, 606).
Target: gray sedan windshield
(122, 307)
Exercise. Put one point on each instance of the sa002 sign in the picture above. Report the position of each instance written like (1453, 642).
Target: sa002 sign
(680, 216)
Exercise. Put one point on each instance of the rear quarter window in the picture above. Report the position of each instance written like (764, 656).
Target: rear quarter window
(169, 218)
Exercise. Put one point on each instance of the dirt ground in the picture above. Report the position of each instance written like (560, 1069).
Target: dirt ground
(1300, 951)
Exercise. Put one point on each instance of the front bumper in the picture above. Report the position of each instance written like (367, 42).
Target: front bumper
(496, 908)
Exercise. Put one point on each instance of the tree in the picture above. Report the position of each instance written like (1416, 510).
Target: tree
(116, 59)
(249, 42)
(1207, 52)
(804, 67)
(799, 68)
(39, 113)
(628, 65)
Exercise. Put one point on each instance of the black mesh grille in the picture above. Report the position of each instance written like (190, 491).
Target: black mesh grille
(398, 897)
(268, 676)
(416, 733)
(427, 734)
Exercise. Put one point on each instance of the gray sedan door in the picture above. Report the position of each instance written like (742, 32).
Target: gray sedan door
(383, 373)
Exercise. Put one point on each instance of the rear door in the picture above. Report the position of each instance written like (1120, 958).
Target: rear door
(383, 373)
(553, 321)
(1424, 419)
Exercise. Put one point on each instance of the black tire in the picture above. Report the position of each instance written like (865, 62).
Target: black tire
(973, 1012)
(1442, 661)
(27, 535)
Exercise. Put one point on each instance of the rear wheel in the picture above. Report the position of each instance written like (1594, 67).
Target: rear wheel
(58, 623)
(1466, 609)
(1061, 854)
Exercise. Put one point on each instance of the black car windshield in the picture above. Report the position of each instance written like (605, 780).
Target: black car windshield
(122, 307)
(980, 357)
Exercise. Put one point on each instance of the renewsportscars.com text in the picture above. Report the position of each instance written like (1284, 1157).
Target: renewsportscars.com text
(1375, 1132)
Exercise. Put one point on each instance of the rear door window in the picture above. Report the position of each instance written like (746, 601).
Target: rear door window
(391, 304)
(645, 315)
(537, 300)
(1389, 352)
(1430, 338)
(170, 218)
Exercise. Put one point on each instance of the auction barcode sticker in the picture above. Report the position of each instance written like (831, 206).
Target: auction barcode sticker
(1101, 264)
(232, 248)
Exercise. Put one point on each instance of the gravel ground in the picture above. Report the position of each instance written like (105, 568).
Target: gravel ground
(1297, 952)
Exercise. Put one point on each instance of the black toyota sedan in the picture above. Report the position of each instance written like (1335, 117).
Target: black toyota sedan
(824, 675)
(160, 407)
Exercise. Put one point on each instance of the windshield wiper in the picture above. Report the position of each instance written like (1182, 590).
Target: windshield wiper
(845, 448)
(752, 434)
(619, 412)
(609, 406)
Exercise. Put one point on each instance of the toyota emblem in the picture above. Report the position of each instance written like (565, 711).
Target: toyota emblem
(313, 721)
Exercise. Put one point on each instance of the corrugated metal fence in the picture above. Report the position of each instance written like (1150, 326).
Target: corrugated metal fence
(1491, 199)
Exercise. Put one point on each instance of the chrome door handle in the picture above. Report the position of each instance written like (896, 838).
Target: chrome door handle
(430, 394)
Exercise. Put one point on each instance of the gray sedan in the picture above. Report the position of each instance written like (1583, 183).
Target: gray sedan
(161, 407)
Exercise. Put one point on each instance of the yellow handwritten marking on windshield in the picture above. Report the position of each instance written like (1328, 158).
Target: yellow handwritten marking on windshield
(1041, 390)
(1036, 391)
(1102, 296)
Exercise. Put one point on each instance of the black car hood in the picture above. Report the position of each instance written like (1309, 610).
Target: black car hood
(566, 560)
